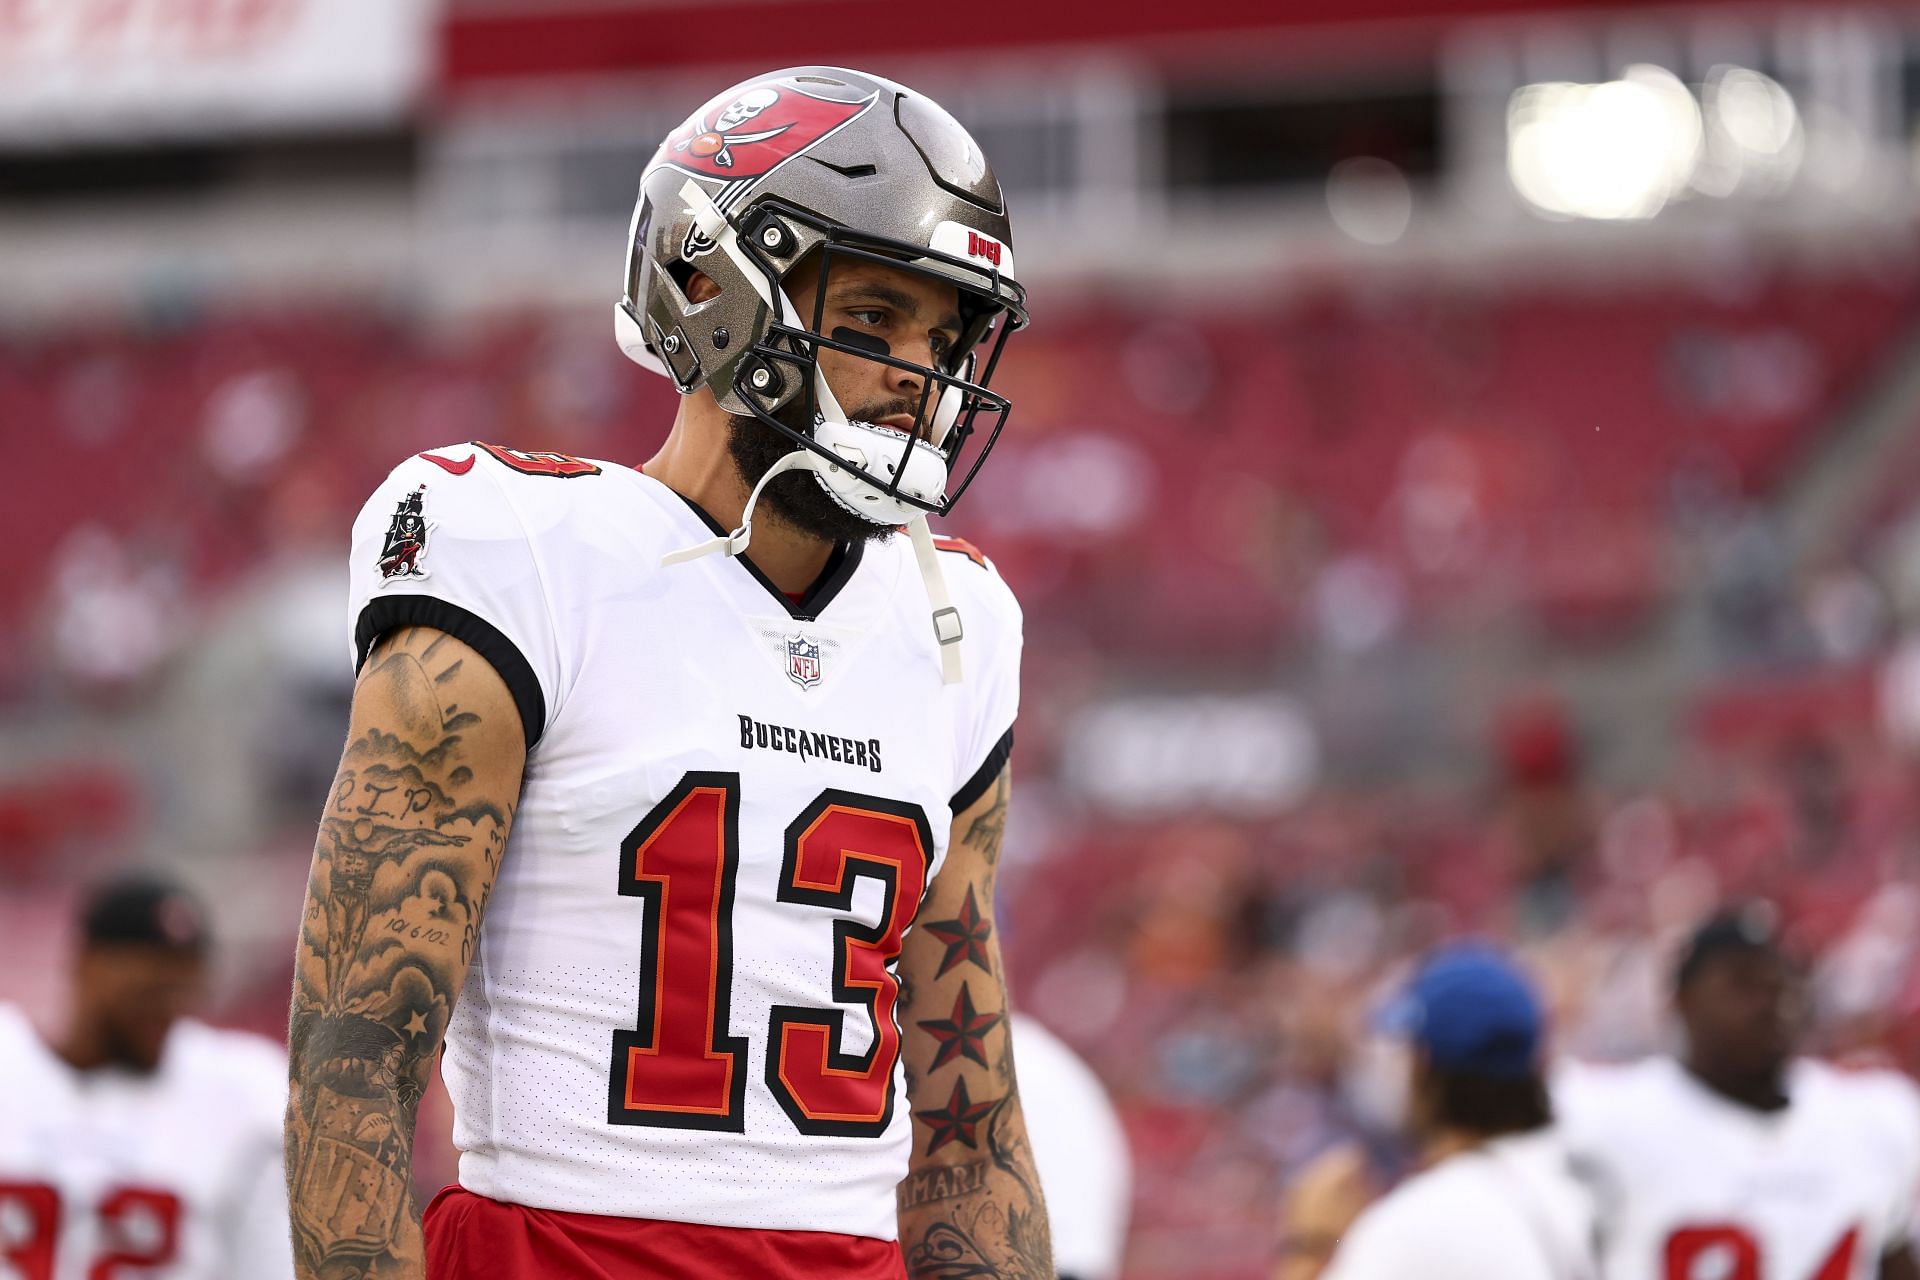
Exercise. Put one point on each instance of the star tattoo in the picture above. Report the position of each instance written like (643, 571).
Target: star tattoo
(966, 936)
(962, 1033)
(958, 1121)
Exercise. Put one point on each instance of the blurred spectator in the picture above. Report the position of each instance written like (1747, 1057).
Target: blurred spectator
(1321, 1202)
(1496, 1197)
(1545, 813)
(113, 614)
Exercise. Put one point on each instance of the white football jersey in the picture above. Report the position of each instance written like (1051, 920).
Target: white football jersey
(682, 1004)
(1693, 1186)
(1509, 1209)
(170, 1176)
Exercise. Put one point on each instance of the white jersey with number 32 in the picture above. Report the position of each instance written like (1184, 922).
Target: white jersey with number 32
(682, 1004)
(113, 1175)
(1695, 1187)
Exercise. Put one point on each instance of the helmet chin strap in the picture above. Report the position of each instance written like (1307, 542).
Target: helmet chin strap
(734, 543)
(947, 630)
(946, 618)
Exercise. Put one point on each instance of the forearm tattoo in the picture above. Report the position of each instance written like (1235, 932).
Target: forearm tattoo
(989, 829)
(970, 1208)
(406, 856)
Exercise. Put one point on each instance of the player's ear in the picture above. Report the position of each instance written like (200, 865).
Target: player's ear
(701, 287)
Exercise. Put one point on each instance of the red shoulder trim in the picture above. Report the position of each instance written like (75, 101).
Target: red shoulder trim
(941, 542)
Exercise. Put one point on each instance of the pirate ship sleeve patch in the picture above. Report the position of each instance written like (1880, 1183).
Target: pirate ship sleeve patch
(444, 548)
(404, 549)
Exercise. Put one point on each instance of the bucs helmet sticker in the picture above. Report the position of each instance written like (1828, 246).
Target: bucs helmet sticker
(406, 540)
(741, 137)
(974, 245)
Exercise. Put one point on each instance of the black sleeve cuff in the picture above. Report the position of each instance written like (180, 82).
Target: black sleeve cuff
(385, 613)
(984, 776)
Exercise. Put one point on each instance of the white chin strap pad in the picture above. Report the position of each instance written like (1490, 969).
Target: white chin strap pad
(878, 451)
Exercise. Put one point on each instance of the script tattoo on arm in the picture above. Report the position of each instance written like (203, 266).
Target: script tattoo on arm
(409, 845)
(970, 1206)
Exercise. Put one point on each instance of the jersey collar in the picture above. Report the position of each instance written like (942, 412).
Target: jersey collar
(838, 572)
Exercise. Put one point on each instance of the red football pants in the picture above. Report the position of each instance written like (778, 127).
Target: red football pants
(471, 1237)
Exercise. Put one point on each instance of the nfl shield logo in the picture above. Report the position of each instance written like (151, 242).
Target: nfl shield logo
(803, 661)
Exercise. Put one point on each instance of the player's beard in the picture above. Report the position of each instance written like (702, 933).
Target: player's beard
(797, 499)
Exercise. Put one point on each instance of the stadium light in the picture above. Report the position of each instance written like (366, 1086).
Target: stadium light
(1754, 136)
(1617, 150)
(1370, 199)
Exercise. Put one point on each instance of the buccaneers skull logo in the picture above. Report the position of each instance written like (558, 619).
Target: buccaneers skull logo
(749, 133)
(718, 142)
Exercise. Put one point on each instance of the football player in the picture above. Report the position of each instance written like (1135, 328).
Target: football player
(1738, 1160)
(1497, 1199)
(139, 1141)
(673, 795)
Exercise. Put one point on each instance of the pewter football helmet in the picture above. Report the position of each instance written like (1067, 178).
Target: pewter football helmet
(848, 166)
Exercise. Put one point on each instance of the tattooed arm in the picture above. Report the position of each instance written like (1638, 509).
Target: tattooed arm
(970, 1206)
(409, 843)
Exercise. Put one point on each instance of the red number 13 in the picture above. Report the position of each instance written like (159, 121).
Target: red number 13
(681, 1067)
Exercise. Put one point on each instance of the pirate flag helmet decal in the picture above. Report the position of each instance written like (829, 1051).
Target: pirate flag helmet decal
(822, 164)
(729, 140)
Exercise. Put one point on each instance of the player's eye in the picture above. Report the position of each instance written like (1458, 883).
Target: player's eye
(873, 317)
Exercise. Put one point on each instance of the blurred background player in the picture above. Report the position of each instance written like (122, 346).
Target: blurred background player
(1496, 1199)
(1318, 1206)
(1086, 1173)
(139, 1141)
(1737, 1160)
